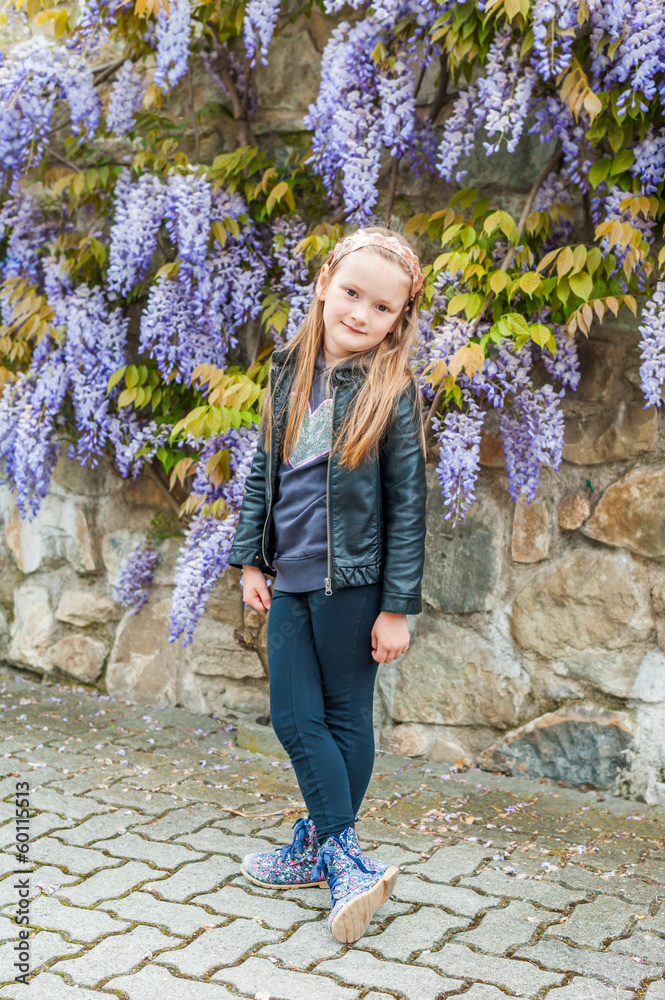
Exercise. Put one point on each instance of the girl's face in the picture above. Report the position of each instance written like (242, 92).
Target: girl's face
(362, 300)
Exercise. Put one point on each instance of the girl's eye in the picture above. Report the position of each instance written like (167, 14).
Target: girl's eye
(383, 308)
(350, 291)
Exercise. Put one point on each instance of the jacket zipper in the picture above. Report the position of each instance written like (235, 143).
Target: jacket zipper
(265, 524)
(328, 580)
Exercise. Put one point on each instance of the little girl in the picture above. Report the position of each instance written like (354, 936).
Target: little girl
(335, 506)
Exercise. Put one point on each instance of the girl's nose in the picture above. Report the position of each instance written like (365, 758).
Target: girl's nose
(359, 315)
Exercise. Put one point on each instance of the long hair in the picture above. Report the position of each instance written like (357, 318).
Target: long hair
(386, 367)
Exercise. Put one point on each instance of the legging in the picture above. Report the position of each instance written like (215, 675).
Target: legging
(321, 692)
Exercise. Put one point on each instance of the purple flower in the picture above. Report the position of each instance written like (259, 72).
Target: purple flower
(139, 209)
(125, 100)
(259, 26)
(172, 36)
(459, 458)
(135, 575)
(652, 347)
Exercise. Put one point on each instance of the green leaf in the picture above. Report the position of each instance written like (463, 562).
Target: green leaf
(599, 171)
(115, 378)
(498, 281)
(581, 284)
(132, 377)
(457, 303)
(622, 162)
(540, 334)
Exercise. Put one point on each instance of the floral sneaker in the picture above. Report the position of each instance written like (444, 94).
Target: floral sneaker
(355, 891)
(288, 867)
(349, 841)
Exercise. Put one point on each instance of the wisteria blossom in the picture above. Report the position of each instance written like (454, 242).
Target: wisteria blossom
(135, 575)
(652, 347)
(125, 100)
(458, 434)
(138, 214)
(259, 26)
(172, 38)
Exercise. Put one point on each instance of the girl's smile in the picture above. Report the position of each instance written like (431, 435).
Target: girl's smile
(362, 300)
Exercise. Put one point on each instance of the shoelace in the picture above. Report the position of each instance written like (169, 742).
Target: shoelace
(300, 838)
(336, 879)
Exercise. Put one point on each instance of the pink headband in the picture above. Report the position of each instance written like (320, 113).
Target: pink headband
(361, 238)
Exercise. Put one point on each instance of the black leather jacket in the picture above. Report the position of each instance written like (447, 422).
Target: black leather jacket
(376, 512)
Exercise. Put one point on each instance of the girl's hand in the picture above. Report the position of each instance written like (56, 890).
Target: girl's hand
(390, 637)
(254, 589)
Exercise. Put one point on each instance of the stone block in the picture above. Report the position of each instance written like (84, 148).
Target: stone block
(581, 745)
(197, 876)
(83, 607)
(574, 509)
(81, 656)
(501, 930)
(452, 676)
(592, 925)
(96, 827)
(154, 981)
(70, 806)
(84, 925)
(144, 666)
(258, 975)
(235, 902)
(462, 566)
(531, 532)
(59, 532)
(145, 492)
(449, 863)
(617, 970)
(130, 845)
(548, 895)
(360, 969)
(518, 977)
(44, 947)
(48, 850)
(612, 434)
(108, 884)
(582, 988)
(183, 819)
(308, 945)
(631, 513)
(32, 629)
(461, 901)
(217, 946)
(214, 840)
(118, 953)
(214, 652)
(177, 918)
(412, 933)
(589, 614)
(47, 986)
(641, 945)
(410, 739)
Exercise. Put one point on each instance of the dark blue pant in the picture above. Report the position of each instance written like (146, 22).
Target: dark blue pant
(321, 692)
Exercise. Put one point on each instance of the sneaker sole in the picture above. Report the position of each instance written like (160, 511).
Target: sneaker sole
(283, 885)
(353, 919)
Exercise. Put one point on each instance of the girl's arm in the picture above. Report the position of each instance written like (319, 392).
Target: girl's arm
(246, 548)
(404, 495)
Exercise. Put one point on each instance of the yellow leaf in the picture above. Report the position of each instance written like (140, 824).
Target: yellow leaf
(498, 281)
(592, 104)
(529, 282)
(564, 262)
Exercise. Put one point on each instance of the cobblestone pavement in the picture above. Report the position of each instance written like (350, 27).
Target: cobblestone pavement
(140, 817)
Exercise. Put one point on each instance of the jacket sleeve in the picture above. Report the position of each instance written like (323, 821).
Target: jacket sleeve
(404, 496)
(246, 548)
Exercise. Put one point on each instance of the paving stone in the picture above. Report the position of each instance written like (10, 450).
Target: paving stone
(309, 944)
(632, 890)
(47, 986)
(178, 918)
(69, 806)
(130, 845)
(235, 902)
(550, 895)
(216, 840)
(616, 970)
(412, 933)
(154, 981)
(501, 930)
(391, 854)
(44, 947)
(258, 974)
(515, 976)
(220, 946)
(118, 953)
(655, 923)
(45, 875)
(581, 988)
(379, 996)
(108, 884)
(198, 876)
(97, 827)
(45, 823)
(449, 863)
(648, 946)
(183, 819)
(48, 850)
(76, 923)
(480, 991)
(8, 929)
(655, 991)
(153, 803)
(411, 889)
(592, 924)
(360, 969)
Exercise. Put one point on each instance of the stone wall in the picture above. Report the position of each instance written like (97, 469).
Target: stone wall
(540, 649)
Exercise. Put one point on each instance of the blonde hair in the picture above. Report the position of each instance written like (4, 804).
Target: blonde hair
(386, 366)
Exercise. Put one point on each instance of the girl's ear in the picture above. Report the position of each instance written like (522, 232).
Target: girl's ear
(322, 283)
